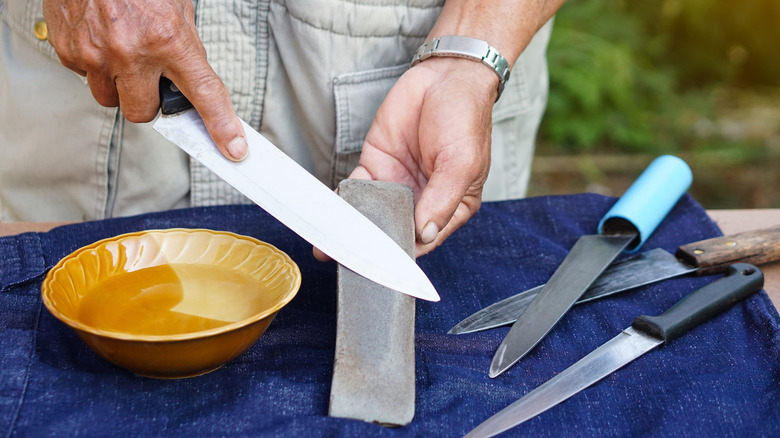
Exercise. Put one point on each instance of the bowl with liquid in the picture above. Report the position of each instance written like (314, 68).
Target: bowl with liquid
(171, 303)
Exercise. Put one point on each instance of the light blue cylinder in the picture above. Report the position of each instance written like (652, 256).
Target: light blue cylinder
(650, 198)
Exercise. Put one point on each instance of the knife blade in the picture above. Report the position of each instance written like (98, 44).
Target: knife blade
(644, 334)
(296, 198)
(702, 258)
(625, 226)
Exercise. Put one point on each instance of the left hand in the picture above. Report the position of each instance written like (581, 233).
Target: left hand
(433, 130)
(432, 133)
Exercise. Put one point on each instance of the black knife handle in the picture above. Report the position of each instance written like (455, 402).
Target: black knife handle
(172, 100)
(741, 281)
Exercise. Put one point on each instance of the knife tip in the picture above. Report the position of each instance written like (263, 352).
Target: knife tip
(497, 369)
(425, 297)
(497, 365)
(419, 286)
(430, 293)
(460, 330)
(501, 363)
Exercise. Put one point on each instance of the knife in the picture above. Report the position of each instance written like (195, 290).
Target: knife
(702, 258)
(625, 226)
(644, 334)
(296, 198)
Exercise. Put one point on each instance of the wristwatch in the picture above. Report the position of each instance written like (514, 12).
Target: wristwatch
(469, 48)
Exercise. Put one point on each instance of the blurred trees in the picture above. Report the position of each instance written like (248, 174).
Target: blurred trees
(639, 75)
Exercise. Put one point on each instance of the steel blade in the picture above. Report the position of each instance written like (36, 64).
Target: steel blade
(642, 269)
(601, 362)
(497, 314)
(296, 198)
(646, 332)
(587, 259)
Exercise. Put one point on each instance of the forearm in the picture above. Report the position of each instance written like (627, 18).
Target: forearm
(506, 25)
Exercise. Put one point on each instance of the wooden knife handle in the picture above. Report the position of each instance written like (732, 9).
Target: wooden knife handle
(715, 255)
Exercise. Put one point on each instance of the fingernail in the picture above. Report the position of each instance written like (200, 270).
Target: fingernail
(238, 148)
(429, 233)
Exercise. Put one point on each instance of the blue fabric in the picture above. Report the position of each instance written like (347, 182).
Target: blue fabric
(722, 379)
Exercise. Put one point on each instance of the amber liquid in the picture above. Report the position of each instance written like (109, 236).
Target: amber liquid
(173, 299)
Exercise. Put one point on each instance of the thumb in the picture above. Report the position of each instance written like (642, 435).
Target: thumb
(451, 196)
(444, 205)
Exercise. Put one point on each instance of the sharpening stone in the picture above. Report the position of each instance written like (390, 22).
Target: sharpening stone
(374, 369)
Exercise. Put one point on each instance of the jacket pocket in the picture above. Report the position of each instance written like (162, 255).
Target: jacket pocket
(358, 97)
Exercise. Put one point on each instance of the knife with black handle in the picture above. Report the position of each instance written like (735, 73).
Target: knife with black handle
(295, 197)
(700, 258)
(644, 334)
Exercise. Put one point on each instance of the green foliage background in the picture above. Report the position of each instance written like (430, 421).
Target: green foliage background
(635, 76)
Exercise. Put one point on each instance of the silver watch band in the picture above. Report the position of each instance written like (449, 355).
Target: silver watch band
(469, 48)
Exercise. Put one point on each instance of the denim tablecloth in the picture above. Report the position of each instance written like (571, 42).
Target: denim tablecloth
(722, 379)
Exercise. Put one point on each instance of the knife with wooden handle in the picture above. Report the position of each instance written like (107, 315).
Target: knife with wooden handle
(715, 255)
(644, 334)
(700, 258)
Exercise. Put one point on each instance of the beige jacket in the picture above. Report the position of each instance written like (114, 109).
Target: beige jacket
(308, 74)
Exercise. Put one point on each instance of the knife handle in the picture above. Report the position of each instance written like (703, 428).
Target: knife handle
(715, 255)
(741, 281)
(172, 100)
(648, 200)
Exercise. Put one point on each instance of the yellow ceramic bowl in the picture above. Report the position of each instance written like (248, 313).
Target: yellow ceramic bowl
(171, 303)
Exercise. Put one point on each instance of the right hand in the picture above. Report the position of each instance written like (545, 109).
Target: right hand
(124, 47)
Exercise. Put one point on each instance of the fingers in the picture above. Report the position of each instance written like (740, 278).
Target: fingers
(124, 47)
(462, 214)
(103, 89)
(201, 85)
(360, 172)
(453, 192)
(319, 255)
(447, 203)
(139, 97)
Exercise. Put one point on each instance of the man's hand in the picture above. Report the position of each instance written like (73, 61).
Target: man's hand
(432, 133)
(433, 130)
(124, 47)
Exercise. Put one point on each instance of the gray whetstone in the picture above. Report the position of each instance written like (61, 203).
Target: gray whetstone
(373, 372)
